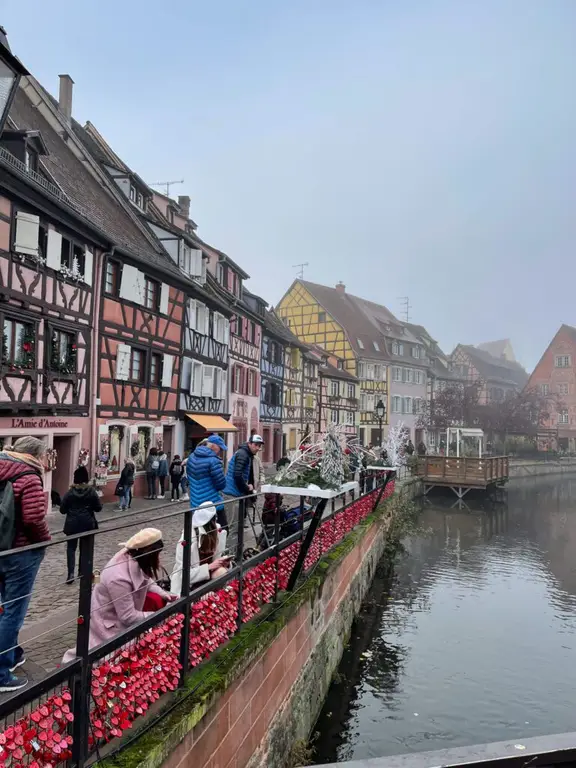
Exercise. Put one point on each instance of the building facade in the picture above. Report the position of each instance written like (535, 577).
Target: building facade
(337, 397)
(554, 377)
(496, 378)
(272, 362)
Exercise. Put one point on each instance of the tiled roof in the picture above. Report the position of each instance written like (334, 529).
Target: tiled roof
(329, 370)
(497, 348)
(495, 368)
(274, 325)
(100, 207)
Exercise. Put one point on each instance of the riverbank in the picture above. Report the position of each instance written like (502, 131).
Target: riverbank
(522, 468)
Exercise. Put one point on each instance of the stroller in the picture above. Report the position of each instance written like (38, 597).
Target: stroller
(290, 522)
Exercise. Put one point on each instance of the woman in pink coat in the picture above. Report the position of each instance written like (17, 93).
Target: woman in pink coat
(118, 599)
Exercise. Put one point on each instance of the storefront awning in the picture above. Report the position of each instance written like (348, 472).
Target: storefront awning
(212, 423)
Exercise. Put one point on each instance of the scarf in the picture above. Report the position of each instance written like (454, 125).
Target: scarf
(25, 458)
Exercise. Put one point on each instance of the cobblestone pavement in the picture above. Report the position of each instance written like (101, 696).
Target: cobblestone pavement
(50, 625)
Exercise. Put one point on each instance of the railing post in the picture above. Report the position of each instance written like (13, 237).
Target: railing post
(305, 546)
(185, 592)
(82, 682)
(277, 544)
(240, 557)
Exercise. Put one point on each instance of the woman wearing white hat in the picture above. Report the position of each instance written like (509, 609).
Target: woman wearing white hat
(118, 598)
(208, 544)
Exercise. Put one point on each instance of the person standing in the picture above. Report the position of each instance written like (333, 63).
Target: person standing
(176, 470)
(240, 476)
(162, 474)
(22, 467)
(80, 505)
(125, 484)
(151, 468)
(206, 478)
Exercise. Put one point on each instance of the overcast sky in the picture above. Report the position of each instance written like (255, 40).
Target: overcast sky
(406, 147)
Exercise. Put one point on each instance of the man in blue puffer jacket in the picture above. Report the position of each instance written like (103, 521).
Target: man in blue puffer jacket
(240, 476)
(206, 477)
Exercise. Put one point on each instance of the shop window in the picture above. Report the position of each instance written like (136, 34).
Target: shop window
(63, 352)
(18, 344)
(141, 447)
(115, 440)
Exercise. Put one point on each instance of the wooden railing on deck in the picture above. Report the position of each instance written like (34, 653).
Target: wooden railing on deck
(468, 471)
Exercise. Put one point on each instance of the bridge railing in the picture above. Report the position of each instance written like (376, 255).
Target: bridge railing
(77, 710)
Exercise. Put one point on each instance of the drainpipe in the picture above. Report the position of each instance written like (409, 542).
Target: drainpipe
(96, 297)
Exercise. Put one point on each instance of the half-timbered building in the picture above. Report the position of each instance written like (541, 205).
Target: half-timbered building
(337, 396)
(275, 339)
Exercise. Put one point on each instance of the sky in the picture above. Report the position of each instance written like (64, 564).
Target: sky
(420, 148)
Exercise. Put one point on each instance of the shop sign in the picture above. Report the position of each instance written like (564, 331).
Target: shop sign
(38, 424)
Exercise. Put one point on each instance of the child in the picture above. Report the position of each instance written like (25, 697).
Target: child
(176, 469)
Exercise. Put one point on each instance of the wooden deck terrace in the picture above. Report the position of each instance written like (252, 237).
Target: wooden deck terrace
(462, 474)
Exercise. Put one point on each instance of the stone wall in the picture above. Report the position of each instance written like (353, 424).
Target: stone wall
(263, 692)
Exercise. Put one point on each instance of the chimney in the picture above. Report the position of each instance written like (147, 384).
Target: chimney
(65, 97)
(184, 203)
(341, 288)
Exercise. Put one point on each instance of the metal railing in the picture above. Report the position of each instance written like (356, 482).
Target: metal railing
(82, 706)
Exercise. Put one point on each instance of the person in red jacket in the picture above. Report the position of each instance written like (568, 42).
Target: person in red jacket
(19, 570)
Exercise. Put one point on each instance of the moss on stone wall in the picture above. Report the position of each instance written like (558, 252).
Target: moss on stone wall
(150, 747)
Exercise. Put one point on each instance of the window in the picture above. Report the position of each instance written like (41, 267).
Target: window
(407, 405)
(363, 401)
(273, 393)
(376, 346)
(417, 405)
(136, 364)
(72, 256)
(196, 378)
(369, 402)
(416, 352)
(237, 378)
(417, 377)
(397, 374)
(136, 196)
(63, 352)
(545, 389)
(370, 372)
(497, 394)
(360, 344)
(309, 401)
(350, 417)
(31, 159)
(252, 382)
(397, 349)
(334, 389)
(378, 373)
(396, 404)
(151, 293)
(408, 375)
(220, 276)
(563, 389)
(361, 371)
(334, 417)
(18, 344)
(156, 369)
(563, 361)
(563, 417)
(321, 317)
(351, 391)
(144, 440)
(111, 282)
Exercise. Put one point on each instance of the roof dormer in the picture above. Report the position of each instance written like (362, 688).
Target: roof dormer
(26, 146)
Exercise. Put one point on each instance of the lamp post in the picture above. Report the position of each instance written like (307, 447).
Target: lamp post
(11, 70)
(380, 412)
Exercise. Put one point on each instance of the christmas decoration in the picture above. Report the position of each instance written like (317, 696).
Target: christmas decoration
(332, 463)
(394, 445)
(127, 683)
(322, 464)
(63, 364)
(51, 459)
(83, 457)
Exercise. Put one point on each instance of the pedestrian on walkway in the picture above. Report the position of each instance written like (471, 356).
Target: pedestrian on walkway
(151, 467)
(206, 478)
(22, 467)
(126, 581)
(125, 484)
(162, 474)
(176, 470)
(207, 549)
(80, 505)
(240, 476)
(259, 476)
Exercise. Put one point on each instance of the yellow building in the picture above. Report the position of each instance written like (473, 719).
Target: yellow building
(347, 327)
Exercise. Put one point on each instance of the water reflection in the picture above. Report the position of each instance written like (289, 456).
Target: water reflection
(473, 639)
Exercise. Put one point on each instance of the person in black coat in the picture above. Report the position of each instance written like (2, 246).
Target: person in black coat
(80, 505)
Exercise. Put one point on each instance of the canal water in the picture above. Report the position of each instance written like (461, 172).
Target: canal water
(471, 639)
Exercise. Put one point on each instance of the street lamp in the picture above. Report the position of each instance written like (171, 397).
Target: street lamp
(380, 412)
(11, 70)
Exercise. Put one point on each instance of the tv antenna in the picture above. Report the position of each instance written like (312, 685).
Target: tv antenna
(405, 301)
(166, 184)
(300, 268)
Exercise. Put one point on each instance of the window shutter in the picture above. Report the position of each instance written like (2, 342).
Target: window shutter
(208, 381)
(206, 321)
(167, 366)
(164, 292)
(196, 379)
(27, 231)
(53, 249)
(195, 262)
(224, 385)
(192, 314)
(243, 373)
(217, 382)
(123, 352)
(132, 284)
(226, 332)
(404, 374)
(88, 264)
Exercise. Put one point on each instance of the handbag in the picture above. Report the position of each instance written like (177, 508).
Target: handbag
(119, 489)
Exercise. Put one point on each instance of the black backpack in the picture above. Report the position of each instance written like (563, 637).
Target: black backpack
(8, 511)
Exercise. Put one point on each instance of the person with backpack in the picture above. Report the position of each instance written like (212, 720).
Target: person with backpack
(176, 471)
(80, 505)
(22, 522)
(162, 473)
(152, 465)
